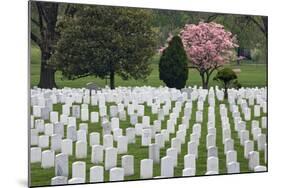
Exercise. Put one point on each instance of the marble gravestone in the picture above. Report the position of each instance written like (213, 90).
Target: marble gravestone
(96, 174)
(116, 174)
(146, 168)
(61, 165)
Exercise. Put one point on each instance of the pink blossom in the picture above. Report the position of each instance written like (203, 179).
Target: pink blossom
(208, 45)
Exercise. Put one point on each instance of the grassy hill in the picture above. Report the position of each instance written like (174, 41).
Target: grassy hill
(252, 75)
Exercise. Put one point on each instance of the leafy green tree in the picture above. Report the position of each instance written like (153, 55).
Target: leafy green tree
(104, 41)
(173, 69)
(227, 78)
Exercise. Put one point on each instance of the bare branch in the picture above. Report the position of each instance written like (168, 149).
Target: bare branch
(212, 17)
(257, 24)
(35, 22)
(81, 76)
(36, 39)
(41, 11)
(41, 25)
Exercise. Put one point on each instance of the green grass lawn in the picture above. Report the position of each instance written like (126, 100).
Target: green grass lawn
(41, 176)
(252, 75)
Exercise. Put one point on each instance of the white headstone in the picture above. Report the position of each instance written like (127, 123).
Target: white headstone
(48, 159)
(154, 153)
(34, 137)
(43, 141)
(59, 180)
(211, 140)
(107, 141)
(54, 117)
(96, 174)
(76, 111)
(190, 161)
(35, 155)
(172, 152)
(110, 158)
(76, 181)
(133, 119)
(79, 169)
(261, 142)
(94, 138)
(122, 144)
(244, 135)
(231, 156)
(82, 135)
(146, 169)
(160, 140)
(114, 123)
(49, 129)
(83, 126)
(80, 150)
(166, 135)
(188, 172)
(254, 159)
(66, 147)
(97, 154)
(192, 148)
(260, 169)
(56, 142)
(228, 145)
(264, 122)
(167, 167)
(116, 174)
(61, 165)
(212, 164)
(212, 151)
(127, 163)
(71, 133)
(248, 147)
(94, 117)
(233, 167)
(84, 114)
(131, 135)
(146, 137)
(176, 143)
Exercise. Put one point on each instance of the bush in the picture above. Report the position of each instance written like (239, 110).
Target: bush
(227, 78)
(173, 70)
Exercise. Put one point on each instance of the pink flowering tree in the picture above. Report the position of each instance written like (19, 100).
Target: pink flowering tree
(208, 46)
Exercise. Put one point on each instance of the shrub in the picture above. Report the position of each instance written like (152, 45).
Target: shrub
(227, 78)
(173, 70)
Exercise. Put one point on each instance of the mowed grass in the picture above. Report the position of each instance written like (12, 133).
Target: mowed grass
(252, 75)
(41, 176)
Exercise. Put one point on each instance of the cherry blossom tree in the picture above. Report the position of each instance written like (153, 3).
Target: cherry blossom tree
(208, 46)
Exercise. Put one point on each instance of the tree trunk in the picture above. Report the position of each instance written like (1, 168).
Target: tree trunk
(238, 62)
(225, 93)
(204, 81)
(205, 85)
(112, 86)
(46, 21)
(47, 74)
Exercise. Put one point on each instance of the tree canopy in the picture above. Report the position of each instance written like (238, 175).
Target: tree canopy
(103, 40)
(208, 46)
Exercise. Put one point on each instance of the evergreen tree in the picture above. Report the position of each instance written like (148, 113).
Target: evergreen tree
(173, 70)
